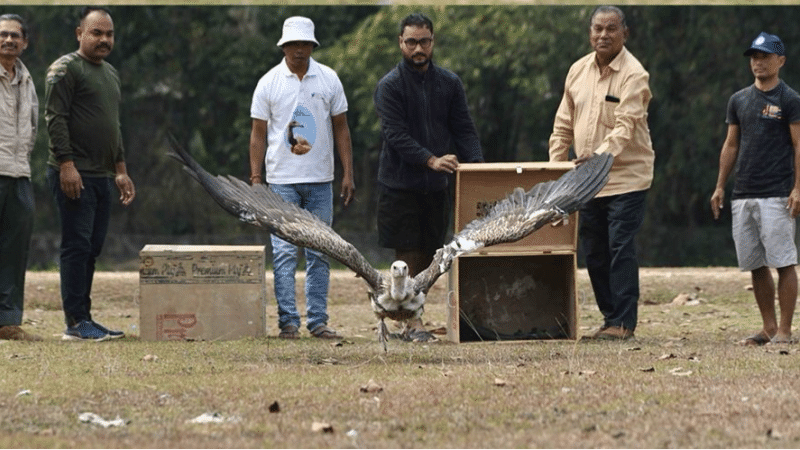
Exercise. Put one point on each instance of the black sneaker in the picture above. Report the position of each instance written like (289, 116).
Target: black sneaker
(113, 334)
(85, 331)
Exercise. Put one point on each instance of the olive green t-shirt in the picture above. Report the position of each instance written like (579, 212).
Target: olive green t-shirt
(82, 114)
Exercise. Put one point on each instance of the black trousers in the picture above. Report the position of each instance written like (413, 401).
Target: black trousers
(84, 225)
(17, 209)
(608, 228)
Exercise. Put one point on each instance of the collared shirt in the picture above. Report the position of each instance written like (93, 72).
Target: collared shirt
(282, 97)
(18, 121)
(606, 112)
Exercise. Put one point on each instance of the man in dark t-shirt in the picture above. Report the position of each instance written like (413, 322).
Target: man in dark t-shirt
(763, 144)
(82, 96)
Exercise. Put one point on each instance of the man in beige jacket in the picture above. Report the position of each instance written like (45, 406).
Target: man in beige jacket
(18, 120)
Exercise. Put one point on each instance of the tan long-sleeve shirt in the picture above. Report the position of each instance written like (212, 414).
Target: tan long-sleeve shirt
(19, 117)
(606, 112)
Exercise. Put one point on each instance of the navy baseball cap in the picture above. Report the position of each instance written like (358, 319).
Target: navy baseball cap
(767, 43)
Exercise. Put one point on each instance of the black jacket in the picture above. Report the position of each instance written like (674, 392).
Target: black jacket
(422, 114)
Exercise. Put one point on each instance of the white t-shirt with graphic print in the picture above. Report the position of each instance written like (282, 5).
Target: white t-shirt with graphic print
(280, 98)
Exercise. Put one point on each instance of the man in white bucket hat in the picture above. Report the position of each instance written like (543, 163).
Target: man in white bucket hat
(299, 114)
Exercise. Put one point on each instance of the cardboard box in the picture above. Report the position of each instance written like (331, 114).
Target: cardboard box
(513, 297)
(480, 186)
(515, 291)
(191, 292)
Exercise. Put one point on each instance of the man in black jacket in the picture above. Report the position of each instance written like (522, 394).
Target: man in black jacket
(423, 113)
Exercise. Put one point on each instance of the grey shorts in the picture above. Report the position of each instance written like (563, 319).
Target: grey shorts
(764, 231)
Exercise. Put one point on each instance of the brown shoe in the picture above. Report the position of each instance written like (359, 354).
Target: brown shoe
(325, 332)
(289, 332)
(15, 333)
(610, 334)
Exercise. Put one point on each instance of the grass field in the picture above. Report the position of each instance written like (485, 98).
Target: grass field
(682, 383)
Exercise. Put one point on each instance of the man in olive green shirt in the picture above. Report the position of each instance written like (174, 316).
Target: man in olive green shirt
(82, 97)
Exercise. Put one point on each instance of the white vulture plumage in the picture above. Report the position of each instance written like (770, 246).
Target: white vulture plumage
(396, 295)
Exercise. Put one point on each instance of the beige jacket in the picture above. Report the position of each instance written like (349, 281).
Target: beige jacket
(18, 122)
(607, 113)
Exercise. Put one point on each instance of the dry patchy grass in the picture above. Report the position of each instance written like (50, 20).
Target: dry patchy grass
(682, 383)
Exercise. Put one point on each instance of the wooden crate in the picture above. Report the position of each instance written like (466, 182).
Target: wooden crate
(189, 292)
(480, 186)
(515, 291)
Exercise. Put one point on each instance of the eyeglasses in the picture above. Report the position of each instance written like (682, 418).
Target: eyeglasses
(5, 35)
(412, 43)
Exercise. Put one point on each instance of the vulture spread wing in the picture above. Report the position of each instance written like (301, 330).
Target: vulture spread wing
(521, 213)
(259, 206)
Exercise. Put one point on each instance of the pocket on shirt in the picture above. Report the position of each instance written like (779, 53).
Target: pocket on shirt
(608, 114)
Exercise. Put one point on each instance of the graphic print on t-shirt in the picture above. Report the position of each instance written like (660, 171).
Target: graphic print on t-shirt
(301, 131)
(772, 112)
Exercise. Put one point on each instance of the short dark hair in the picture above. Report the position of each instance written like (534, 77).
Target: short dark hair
(18, 19)
(609, 9)
(416, 19)
(86, 10)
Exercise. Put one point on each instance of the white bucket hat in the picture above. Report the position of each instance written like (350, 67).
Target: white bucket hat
(298, 28)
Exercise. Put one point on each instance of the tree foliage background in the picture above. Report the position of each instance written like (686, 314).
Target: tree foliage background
(191, 70)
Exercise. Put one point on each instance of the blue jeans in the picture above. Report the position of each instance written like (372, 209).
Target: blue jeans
(17, 209)
(84, 225)
(318, 199)
(608, 228)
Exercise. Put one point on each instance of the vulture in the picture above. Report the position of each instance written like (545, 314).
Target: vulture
(396, 295)
(300, 145)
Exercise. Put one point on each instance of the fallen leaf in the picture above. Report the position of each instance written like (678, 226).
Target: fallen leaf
(371, 387)
(773, 434)
(681, 299)
(679, 372)
(667, 356)
(647, 369)
(321, 427)
(89, 417)
(213, 418)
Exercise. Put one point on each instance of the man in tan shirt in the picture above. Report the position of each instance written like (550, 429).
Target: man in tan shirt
(604, 110)
(18, 122)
